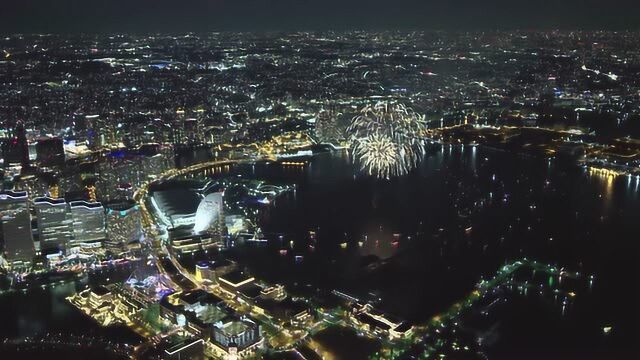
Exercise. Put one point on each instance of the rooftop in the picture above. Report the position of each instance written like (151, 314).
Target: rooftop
(235, 327)
(236, 278)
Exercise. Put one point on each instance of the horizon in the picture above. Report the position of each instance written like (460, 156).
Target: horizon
(142, 16)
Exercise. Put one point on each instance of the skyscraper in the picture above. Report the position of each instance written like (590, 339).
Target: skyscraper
(88, 222)
(15, 150)
(15, 220)
(123, 223)
(55, 226)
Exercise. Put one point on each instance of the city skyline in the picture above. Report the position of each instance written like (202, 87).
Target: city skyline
(338, 180)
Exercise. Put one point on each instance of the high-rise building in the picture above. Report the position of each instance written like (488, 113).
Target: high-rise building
(15, 220)
(31, 184)
(124, 224)
(15, 150)
(54, 190)
(55, 226)
(329, 127)
(88, 222)
(177, 135)
(91, 192)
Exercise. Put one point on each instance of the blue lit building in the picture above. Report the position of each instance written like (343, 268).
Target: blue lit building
(124, 224)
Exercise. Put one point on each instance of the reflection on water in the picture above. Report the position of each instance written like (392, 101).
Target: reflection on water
(36, 311)
(460, 216)
(421, 242)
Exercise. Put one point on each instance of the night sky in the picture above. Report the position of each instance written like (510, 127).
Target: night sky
(250, 15)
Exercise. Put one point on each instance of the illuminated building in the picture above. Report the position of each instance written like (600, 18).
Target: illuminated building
(284, 311)
(210, 271)
(15, 220)
(176, 207)
(31, 184)
(88, 222)
(54, 191)
(196, 311)
(203, 272)
(192, 130)
(205, 315)
(379, 323)
(187, 245)
(91, 192)
(236, 224)
(273, 292)
(100, 295)
(241, 286)
(210, 216)
(328, 127)
(177, 135)
(126, 169)
(236, 336)
(123, 223)
(55, 226)
(107, 304)
(235, 280)
(95, 126)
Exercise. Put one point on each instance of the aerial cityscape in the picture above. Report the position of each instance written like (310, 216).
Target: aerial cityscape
(325, 194)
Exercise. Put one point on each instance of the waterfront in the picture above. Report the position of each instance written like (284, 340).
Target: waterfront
(460, 216)
(42, 312)
(391, 194)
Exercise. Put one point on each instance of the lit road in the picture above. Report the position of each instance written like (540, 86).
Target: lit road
(423, 333)
(148, 223)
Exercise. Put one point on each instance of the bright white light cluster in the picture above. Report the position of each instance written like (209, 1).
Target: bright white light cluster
(385, 139)
(208, 212)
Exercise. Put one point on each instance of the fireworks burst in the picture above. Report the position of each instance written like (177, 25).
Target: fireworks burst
(385, 139)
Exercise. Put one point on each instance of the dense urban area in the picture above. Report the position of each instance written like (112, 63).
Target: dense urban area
(155, 187)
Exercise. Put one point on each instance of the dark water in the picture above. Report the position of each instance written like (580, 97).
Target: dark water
(43, 312)
(419, 243)
(427, 238)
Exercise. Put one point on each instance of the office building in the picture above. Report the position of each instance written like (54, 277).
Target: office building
(55, 225)
(227, 334)
(88, 222)
(236, 336)
(15, 220)
(123, 223)
(15, 150)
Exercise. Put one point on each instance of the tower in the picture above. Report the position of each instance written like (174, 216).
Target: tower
(55, 226)
(88, 222)
(124, 224)
(15, 150)
(15, 221)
